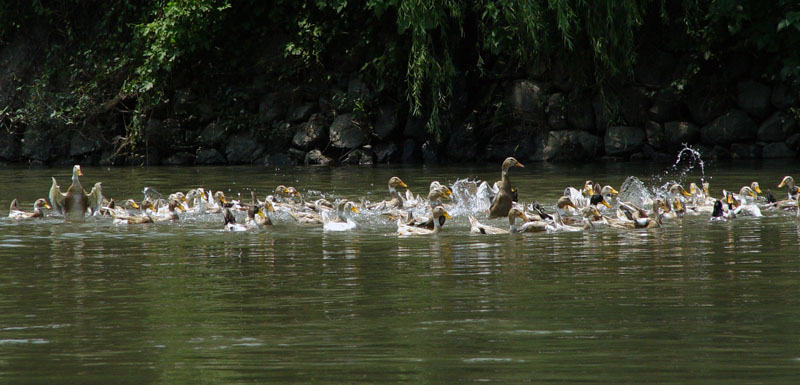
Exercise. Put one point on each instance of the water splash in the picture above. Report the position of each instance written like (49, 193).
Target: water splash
(683, 171)
(633, 190)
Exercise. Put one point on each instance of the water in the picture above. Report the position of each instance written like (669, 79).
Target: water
(186, 303)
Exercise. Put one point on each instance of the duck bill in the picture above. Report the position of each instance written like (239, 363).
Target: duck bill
(678, 205)
(47, 206)
(446, 215)
(402, 184)
(134, 205)
(180, 207)
(685, 193)
(783, 183)
(728, 199)
(79, 173)
(613, 191)
(518, 164)
(757, 189)
(355, 209)
(261, 214)
(605, 203)
(270, 207)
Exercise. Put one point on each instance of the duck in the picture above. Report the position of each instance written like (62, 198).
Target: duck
(263, 219)
(230, 222)
(15, 213)
(312, 217)
(644, 223)
(74, 203)
(171, 214)
(504, 200)
(718, 214)
(343, 220)
(563, 204)
(406, 230)
(588, 214)
(788, 181)
(135, 219)
(476, 227)
(528, 225)
(396, 202)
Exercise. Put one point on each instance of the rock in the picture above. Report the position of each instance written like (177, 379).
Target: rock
(361, 155)
(735, 126)
(346, 133)
(777, 127)
(9, 146)
(654, 67)
(280, 138)
(358, 89)
(793, 142)
(209, 156)
(386, 152)
(651, 153)
(301, 113)
(243, 148)
(387, 121)
(623, 140)
(556, 112)
(754, 98)
(637, 156)
(655, 135)
(279, 159)
(37, 145)
(212, 135)
(162, 134)
(634, 104)
(367, 155)
(571, 145)
(745, 151)
(720, 152)
(81, 145)
(580, 114)
(315, 157)
(665, 108)
(777, 150)
(411, 152)
(272, 108)
(311, 133)
(179, 159)
(526, 100)
(782, 97)
(184, 101)
(415, 128)
(429, 155)
(601, 114)
(679, 133)
(461, 146)
(705, 108)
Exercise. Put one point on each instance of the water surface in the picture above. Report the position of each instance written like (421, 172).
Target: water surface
(187, 303)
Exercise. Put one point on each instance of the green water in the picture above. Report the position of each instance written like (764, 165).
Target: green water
(693, 302)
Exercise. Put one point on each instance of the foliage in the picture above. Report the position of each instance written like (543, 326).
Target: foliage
(410, 50)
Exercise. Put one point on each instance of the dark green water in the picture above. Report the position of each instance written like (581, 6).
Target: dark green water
(693, 302)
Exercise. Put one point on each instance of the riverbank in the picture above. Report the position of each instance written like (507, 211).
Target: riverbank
(67, 100)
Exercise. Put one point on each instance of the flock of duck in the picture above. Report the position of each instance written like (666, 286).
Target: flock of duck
(579, 209)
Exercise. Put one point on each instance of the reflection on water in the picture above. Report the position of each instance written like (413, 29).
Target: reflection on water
(691, 302)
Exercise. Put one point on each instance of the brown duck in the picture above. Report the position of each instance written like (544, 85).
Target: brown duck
(503, 201)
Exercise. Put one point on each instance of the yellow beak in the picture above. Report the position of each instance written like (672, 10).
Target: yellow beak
(270, 207)
(402, 184)
(261, 213)
(134, 205)
(47, 206)
(605, 203)
(355, 209)
(446, 215)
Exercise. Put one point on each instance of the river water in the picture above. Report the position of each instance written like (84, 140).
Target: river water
(692, 302)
